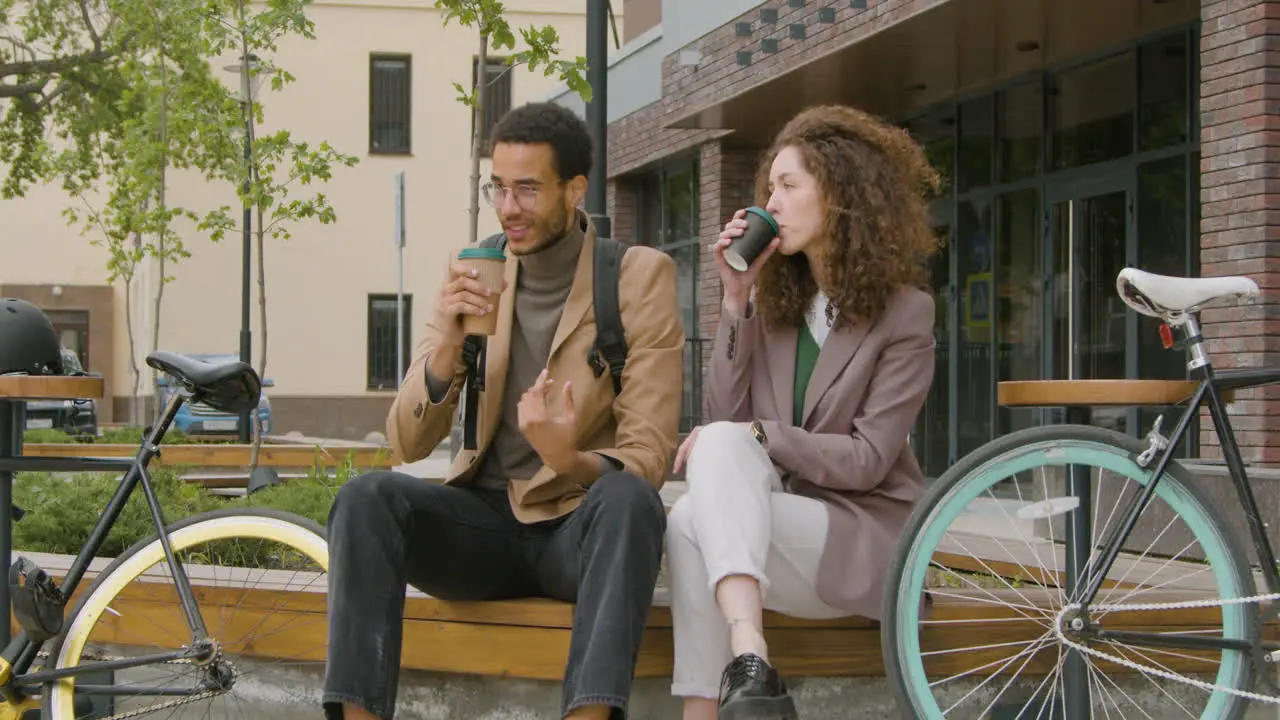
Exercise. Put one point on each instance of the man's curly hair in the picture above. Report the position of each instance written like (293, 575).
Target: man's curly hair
(537, 123)
(874, 181)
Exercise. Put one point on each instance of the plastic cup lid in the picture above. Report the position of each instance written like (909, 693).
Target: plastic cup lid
(482, 253)
(764, 214)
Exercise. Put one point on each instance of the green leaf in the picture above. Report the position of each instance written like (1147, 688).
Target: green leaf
(542, 45)
(466, 97)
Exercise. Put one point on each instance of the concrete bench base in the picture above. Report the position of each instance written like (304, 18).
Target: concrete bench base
(445, 696)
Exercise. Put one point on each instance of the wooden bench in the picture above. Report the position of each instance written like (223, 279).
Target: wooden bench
(530, 638)
(1097, 393)
(282, 616)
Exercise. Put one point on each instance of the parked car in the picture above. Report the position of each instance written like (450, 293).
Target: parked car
(75, 417)
(200, 419)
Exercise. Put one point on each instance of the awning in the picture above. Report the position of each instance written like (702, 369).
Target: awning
(951, 48)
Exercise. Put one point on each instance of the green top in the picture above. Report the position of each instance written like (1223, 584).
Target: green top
(482, 253)
(767, 217)
(806, 357)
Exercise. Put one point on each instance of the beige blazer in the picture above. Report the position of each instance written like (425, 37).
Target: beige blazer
(638, 428)
(851, 452)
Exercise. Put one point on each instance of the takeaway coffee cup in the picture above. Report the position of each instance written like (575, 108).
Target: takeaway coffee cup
(490, 263)
(761, 230)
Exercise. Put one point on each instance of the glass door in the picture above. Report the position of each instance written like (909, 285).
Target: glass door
(1089, 240)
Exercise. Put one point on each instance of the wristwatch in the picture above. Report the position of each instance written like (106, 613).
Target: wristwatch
(757, 432)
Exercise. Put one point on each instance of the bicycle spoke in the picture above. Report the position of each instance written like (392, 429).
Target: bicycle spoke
(1004, 576)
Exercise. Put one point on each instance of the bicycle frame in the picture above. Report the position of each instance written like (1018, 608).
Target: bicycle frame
(1211, 386)
(22, 650)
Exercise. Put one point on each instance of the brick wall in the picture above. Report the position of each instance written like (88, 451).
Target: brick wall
(725, 183)
(640, 140)
(1240, 202)
(622, 208)
(719, 76)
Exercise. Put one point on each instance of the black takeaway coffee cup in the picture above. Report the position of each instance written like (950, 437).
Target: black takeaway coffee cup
(761, 230)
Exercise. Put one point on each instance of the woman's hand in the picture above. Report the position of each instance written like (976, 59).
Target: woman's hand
(686, 447)
(737, 285)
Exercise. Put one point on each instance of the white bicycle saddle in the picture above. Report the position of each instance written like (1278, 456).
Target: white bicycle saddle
(1169, 297)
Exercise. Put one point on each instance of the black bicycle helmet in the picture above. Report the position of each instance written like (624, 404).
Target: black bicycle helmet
(28, 343)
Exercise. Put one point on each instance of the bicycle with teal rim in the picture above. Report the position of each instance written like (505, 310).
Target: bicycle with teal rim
(1081, 572)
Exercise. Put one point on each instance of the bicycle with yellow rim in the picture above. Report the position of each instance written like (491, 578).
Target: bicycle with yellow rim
(156, 631)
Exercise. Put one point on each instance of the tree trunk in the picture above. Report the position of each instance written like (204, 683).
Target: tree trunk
(135, 411)
(477, 135)
(262, 343)
(164, 229)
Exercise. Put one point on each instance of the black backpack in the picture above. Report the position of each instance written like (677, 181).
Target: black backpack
(608, 352)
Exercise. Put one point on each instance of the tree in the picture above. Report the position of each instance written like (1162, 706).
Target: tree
(125, 90)
(277, 165)
(542, 45)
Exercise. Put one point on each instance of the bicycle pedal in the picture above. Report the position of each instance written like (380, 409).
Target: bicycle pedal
(37, 601)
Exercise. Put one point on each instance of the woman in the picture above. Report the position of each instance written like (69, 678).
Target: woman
(825, 352)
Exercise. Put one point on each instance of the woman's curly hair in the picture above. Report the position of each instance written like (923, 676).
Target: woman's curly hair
(874, 181)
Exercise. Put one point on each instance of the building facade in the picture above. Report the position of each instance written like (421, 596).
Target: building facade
(377, 83)
(1074, 138)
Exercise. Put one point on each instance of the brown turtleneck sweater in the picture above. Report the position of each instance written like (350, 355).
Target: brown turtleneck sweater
(542, 286)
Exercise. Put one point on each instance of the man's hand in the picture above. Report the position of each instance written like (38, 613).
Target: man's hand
(462, 294)
(549, 430)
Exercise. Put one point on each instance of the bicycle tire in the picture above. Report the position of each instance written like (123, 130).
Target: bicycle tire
(292, 530)
(1230, 564)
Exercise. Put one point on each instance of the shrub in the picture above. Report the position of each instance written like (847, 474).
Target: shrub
(110, 436)
(63, 508)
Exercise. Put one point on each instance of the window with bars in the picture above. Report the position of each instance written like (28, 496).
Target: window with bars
(390, 104)
(497, 100)
(668, 219)
(382, 371)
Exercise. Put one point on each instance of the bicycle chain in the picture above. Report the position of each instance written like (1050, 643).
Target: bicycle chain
(1057, 630)
(164, 705)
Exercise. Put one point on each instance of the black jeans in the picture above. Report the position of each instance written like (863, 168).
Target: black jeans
(387, 529)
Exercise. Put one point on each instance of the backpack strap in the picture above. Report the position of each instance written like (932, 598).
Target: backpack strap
(610, 348)
(474, 357)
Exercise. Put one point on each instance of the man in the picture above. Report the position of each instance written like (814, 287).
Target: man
(560, 498)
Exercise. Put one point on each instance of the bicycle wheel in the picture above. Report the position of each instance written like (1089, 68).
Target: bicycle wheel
(984, 544)
(132, 608)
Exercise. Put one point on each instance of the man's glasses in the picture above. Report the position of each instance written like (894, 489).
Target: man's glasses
(526, 195)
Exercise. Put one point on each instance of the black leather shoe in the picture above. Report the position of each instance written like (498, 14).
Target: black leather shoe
(751, 689)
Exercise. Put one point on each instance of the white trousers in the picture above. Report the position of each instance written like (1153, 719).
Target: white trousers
(736, 519)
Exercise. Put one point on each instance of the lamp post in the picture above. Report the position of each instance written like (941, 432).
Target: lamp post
(597, 116)
(250, 83)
